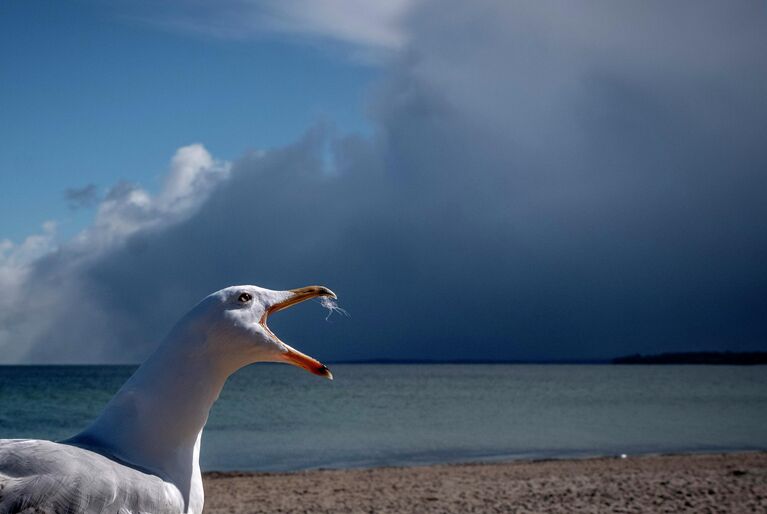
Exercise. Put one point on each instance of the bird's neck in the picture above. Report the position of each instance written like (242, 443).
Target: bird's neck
(155, 420)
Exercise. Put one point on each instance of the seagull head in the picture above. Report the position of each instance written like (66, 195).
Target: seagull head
(232, 324)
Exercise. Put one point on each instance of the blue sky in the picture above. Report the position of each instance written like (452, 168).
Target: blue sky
(90, 95)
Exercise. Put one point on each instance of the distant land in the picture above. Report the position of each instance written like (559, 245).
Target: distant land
(739, 358)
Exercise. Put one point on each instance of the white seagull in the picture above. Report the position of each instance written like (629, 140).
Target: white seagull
(141, 455)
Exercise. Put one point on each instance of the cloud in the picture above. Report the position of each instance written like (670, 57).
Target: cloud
(17, 267)
(371, 23)
(82, 197)
(43, 282)
(369, 27)
(562, 180)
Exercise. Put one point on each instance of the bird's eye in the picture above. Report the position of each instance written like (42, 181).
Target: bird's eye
(245, 298)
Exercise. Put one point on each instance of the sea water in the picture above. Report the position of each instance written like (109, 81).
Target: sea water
(273, 417)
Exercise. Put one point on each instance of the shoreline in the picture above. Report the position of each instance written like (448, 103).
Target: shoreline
(500, 458)
(707, 482)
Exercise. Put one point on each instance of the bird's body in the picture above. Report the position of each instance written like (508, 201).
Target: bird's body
(141, 455)
(47, 477)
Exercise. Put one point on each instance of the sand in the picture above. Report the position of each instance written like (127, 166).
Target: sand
(671, 483)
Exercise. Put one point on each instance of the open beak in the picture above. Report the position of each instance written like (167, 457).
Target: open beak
(291, 355)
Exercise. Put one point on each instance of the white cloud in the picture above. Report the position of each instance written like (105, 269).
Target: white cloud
(17, 263)
(190, 170)
(16, 259)
(32, 248)
(127, 208)
(369, 27)
(372, 23)
(125, 211)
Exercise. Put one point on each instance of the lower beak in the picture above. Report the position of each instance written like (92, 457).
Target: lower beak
(291, 355)
(296, 358)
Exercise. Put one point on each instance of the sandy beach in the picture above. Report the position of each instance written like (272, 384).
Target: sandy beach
(668, 483)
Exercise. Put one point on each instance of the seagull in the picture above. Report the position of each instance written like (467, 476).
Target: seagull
(141, 455)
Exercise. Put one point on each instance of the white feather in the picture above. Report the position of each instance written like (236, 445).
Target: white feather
(43, 476)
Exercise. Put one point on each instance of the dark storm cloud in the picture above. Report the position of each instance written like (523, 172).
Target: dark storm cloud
(549, 180)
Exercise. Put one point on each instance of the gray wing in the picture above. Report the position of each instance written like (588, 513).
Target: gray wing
(43, 476)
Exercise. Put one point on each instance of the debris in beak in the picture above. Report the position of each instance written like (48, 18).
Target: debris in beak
(331, 304)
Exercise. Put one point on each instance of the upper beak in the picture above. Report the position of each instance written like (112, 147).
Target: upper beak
(291, 355)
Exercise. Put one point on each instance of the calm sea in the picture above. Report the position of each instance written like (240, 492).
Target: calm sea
(273, 417)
